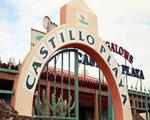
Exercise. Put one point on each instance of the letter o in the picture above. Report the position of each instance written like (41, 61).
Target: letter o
(90, 39)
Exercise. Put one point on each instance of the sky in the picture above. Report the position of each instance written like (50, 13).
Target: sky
(124, 22)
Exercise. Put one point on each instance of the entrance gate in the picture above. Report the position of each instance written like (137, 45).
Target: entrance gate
(59, 100)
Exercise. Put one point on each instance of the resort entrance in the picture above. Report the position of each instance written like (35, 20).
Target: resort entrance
(77, 30)
(36, 61)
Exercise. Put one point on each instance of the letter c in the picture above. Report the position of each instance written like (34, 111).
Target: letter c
(29, 86)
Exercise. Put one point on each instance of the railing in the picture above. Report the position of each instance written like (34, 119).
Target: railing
(58, 103)
(140, 101)
(9, 67)
(10, 92)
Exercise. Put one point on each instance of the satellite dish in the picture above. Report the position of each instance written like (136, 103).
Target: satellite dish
(46, 22)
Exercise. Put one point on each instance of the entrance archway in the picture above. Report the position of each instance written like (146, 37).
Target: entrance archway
(76, 37)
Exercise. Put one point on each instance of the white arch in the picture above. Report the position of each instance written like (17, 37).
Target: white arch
(70, 36)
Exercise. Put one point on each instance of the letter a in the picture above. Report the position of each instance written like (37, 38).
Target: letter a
(35, 66)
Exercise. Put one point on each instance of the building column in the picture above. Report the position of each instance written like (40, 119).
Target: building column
(96, 106)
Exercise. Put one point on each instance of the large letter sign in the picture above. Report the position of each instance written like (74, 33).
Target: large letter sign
(78, 30)
(92, 45)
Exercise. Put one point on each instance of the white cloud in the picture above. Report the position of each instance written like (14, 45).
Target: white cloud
(127, 23)
(15, 37)
(124, 22)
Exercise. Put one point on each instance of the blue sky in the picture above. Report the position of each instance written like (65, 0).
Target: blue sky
(124, 22)
(8, 12)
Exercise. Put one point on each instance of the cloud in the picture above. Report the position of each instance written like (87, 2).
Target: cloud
(15, 33)
(126, 23)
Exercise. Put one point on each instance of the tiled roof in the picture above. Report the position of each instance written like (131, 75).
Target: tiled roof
(84, 81)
